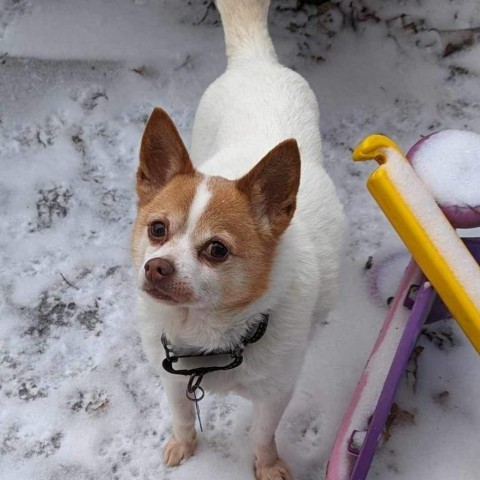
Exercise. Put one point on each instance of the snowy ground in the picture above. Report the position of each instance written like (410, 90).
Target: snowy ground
(77, 82)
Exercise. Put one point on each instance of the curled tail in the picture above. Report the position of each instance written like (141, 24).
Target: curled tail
(246, 29)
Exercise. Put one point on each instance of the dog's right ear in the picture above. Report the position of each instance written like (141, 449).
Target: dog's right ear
(162, 155)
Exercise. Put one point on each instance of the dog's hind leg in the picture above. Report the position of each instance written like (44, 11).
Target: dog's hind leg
(268, 466)
(184, 439)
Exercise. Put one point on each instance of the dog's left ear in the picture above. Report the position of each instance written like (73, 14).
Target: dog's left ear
(162, 155)
(272, 186)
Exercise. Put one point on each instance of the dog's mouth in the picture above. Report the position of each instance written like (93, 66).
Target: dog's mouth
(165, 297)
(159, 294)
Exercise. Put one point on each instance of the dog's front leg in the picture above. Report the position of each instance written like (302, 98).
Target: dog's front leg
(184, 438)
(268, 466)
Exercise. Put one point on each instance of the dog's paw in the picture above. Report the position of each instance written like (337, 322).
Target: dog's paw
(176, 451)
(277, 471)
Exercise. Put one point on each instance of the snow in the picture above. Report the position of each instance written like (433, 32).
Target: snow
(78, 80)
(449, 163)
(385, 273)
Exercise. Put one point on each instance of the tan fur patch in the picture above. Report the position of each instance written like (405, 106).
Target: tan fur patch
(229, 216)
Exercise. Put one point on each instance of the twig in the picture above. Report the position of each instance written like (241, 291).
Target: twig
(69, 283)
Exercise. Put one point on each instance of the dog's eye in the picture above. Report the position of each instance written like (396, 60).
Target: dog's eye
(217, 250)
(157, 230)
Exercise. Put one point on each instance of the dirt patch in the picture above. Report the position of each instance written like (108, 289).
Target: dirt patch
(52, 205)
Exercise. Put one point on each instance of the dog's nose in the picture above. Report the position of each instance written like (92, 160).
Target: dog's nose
(158, 268)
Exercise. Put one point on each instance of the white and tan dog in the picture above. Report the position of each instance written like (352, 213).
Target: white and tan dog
(247, 223)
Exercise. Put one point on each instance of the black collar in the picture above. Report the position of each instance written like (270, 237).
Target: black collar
(235, 354)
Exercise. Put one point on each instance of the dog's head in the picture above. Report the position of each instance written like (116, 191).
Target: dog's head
(202, 240)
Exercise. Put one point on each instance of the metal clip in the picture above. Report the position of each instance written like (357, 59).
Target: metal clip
(192, 387)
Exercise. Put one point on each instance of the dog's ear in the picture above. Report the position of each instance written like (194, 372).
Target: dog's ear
(272, 186)
(162, 155)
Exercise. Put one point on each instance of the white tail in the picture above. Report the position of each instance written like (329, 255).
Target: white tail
(246, 29)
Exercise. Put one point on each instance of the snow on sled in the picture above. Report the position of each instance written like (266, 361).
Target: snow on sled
(424, 196)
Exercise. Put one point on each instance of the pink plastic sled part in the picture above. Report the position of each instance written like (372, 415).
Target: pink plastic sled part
(341, 461)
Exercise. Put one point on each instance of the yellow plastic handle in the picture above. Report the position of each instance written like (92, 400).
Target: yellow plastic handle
(373, 148)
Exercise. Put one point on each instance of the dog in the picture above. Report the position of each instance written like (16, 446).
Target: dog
(243, 227)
